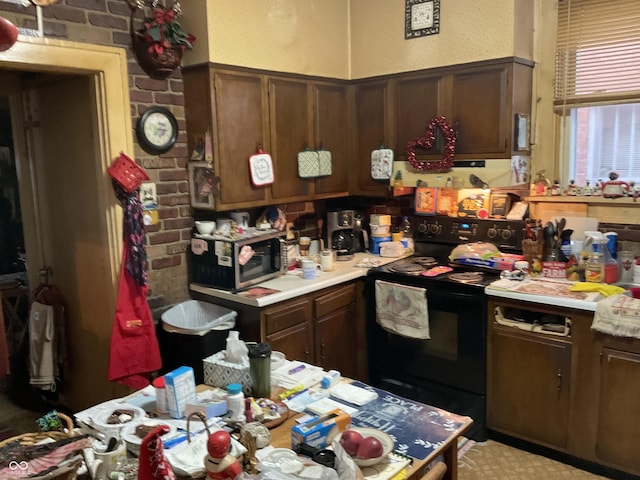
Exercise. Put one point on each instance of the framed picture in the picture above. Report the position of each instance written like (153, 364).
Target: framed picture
(521, 132)
(421, 17)
(425, 200)
(202, 184)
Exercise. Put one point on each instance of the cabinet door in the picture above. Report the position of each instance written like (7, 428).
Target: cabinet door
(332, 132)
(289, 328)
(417, 102)
(290, 126)
(619, 409)
(480, 112)
(372, 131)
(335, 341)
(240, 116)
(528, 386)
(295, 342)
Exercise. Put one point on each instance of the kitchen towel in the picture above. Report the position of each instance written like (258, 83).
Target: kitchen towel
(402, 310)
(618, 315)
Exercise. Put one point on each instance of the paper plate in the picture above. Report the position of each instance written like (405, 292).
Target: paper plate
(385, 439)
(134, 441)
(128, 415)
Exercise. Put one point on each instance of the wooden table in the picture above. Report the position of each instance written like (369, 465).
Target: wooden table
(281, 438)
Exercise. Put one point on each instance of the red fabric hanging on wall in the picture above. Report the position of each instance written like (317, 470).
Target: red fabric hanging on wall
(134, 347)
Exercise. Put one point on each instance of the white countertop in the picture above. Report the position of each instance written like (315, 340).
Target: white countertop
(291, 286)
(558, 301)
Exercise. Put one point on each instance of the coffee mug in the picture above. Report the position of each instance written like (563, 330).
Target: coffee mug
(310, 269)
(327, 260)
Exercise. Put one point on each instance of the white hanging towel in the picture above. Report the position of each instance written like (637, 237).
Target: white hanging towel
(42, 356)
(402, 310)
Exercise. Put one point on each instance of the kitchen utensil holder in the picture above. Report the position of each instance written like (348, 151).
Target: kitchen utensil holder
(532, 249)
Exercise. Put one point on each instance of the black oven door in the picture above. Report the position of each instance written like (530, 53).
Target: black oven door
(455, 355)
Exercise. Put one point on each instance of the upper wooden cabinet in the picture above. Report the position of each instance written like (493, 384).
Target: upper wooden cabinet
(244, 110)
(373, 124)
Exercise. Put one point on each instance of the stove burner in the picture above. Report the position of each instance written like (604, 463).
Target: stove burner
(466, 277)
(406, 267)
(425, 261)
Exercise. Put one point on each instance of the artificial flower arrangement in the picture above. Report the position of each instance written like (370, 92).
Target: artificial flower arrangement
(162, 31)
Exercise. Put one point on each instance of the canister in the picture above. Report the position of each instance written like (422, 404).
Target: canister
(376, 241)
(260, 369)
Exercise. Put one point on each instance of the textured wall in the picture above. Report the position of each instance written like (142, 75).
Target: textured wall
(302, 36)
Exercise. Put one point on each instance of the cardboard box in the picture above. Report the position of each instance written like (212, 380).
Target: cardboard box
(180, 385)
(425, 200)
(210, 408)
(220, 373)
(473, 202)
(316, 432)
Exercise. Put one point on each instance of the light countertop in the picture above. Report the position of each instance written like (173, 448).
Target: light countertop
(291, 286)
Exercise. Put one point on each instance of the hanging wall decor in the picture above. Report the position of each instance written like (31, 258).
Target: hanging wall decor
(422, 17)
(428, 141)
(158, 40)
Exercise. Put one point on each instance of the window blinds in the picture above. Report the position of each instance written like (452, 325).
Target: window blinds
(597, 52)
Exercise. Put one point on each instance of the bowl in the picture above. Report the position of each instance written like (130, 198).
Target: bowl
(134, 441)
(205, 227)
(385, 439)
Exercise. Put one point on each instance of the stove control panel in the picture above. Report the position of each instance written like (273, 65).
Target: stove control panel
(442, 229)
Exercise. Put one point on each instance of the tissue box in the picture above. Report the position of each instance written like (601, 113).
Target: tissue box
(220, 373)
(180, 385)
(316, 432)
(210, 408)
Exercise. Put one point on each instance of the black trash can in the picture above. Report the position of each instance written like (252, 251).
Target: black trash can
(191, 331)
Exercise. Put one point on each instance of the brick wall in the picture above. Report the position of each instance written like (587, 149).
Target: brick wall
(106, 22)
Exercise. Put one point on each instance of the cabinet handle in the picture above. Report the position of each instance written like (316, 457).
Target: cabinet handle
(559, 381)
(456, 128)
(306, 352)
(322, 352)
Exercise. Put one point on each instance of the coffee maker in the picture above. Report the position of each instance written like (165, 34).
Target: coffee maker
(339, 234)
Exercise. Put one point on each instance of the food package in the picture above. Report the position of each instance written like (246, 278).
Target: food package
(473, 202)
(391, 249)
(482, 254)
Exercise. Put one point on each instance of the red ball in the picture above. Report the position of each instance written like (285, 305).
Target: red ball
(8, 34)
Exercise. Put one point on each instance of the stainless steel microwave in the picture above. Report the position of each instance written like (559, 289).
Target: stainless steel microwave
(226, 263)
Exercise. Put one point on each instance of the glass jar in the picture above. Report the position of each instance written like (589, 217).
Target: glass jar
(594, 269)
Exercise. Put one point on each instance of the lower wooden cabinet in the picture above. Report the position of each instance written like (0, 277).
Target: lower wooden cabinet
(578, 394)
(529, 383)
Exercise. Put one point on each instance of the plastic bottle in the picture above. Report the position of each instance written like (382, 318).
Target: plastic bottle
(260, 369)
(330, 379)
(407, 233)
(610, 266)
(235, 402)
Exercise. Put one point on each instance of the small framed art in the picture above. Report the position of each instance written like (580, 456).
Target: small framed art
(421, 17)
(202, 183)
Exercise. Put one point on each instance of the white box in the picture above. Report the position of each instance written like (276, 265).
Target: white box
(180, 385)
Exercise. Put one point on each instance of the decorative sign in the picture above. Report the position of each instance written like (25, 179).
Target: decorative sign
(422, 17)
(418, 429)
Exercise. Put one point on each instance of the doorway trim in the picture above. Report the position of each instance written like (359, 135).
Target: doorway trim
(106, 67)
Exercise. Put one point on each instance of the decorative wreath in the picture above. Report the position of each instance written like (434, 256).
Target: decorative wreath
(427, 142)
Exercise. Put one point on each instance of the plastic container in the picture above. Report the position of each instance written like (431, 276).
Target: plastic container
(407, 233)
(235, 402)
(594, 268)
(191, 331)
(162, 405)
(331, 378)
(376, 241)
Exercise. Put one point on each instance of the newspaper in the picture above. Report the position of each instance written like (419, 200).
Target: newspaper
(544, 286)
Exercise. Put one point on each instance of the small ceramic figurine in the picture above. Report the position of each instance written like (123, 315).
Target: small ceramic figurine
(555, 188)
(220, 464)
(571, 188)
(587, 190)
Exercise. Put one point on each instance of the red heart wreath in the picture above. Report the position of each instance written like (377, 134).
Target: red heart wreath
(427, 142)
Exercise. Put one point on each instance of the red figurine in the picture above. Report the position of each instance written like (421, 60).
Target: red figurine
(220, 464)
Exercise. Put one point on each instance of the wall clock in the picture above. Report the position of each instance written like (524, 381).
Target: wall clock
(421, 17)
(157, 130)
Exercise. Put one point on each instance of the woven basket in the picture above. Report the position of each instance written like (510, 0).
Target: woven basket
(127, 173)
(156, 66)
(27, 439)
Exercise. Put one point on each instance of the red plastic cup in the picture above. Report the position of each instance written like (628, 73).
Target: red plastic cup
(635, 292)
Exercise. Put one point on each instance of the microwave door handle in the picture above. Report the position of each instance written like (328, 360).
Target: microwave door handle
(283, 255)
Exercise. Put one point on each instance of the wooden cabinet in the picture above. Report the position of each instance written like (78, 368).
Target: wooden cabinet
(244, 110)
(289, 330)
(528, 385)
(373, 120)
(576, 394)
(618, 429)
(232, 107)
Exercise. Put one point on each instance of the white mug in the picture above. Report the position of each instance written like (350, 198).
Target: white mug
(327, 260)
(310, 269)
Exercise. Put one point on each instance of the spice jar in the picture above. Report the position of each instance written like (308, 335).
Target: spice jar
(594, 268)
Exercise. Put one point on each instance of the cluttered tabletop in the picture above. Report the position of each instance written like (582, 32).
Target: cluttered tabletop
(313, 422)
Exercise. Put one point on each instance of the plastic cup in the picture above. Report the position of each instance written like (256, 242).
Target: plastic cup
(304, 243)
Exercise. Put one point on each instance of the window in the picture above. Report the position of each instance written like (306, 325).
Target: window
(597, 88)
